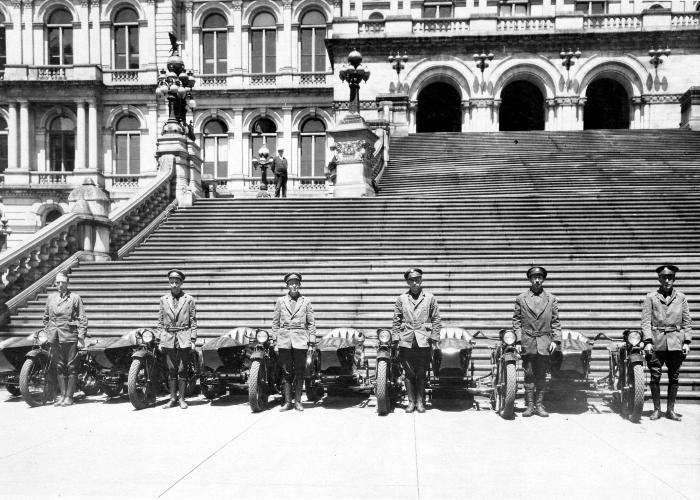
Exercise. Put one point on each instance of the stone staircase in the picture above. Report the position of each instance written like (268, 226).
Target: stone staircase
(599, 210)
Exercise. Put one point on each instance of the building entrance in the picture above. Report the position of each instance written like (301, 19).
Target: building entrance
(607, 105)
(439, 109)
(522, 107)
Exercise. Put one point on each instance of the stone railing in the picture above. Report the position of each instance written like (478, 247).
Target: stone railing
(125, 76)
(312, 78)
(612, 22)
(51, 73)
(372, 27)
(301, 183)
(381, 148)
(213, 80)
(440, 25)
(263, 79)
(50, 178)
(525, 23)
(685, 20)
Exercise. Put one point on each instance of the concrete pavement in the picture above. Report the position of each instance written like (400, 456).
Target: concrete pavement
(341, 449)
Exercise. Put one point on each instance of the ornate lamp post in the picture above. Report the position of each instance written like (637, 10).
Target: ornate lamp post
(482, 61)
(656, 55)
(354, 72)
(176, 85)
(398, 63)
(567, 60)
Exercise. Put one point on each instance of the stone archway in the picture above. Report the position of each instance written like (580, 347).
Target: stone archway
(439, 109)
(522, 107)
(607, 105)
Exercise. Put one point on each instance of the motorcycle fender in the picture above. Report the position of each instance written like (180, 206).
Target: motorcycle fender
(636, 358)
(257, 355)
(383, 355)
(509, 357)
(141, 354)
(37, 353)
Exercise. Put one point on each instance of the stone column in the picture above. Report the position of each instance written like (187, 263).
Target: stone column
(172, 149)
(690, 109)
(14, 35)
(550, 123)
(286, 45)
(346, 8)
(152, 138)
(152, 37)
(93, 144)
(27, 47)
(12, 135)
(81, 34)
(465, 116)
(287, 141)
(237, 39)
(237, 158)
(337, 9)
(495, 115)
(95, 43)
(80, 136)
(24, 162)
(189, 46)
(106, 37)
(579, 110)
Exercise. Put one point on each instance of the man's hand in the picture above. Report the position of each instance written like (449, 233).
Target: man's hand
(552, 347)
(649, 348)
(686, 349)
(518, 348)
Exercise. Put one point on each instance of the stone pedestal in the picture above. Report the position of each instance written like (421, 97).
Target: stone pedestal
(93, 204)
(394, 108)
(690, 109)
(184, 156)
(355, 145)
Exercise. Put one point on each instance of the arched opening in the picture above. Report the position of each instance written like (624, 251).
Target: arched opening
(607, 105)
(51, 216)
(522, 107)
(439, 109)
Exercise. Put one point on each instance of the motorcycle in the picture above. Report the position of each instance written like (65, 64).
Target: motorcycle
(112, 360)
(626, 362)
(388, 383)
(504, 367)
(148, 373)
(265, 376)
(451, 367)
(12, 353)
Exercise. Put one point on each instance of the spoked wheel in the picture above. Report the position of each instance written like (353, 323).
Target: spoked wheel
(382, 389)
(141, 385)
(192, 375)
(257, 390)
(13, 389)
(506, 390)
(314, 392)
(35, 383)
(634, 397)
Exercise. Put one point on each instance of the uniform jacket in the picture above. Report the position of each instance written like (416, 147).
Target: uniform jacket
(419, 319)
(177, 322)
(292, 324)
(536, 327)
(666, 321)
(279, 165)
(64, 318)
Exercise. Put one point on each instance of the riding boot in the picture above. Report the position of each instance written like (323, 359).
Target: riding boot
(183, 388)
(420, 395)
(411, 393)
(61, 391)
(539, 403)
(287, 396)
(172, 385)
(529, 400)
(70, 389)
(298, 386)
(671, 402)
(656, 398)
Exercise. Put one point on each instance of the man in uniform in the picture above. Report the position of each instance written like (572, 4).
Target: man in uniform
(177, 322)
(536, 326)
(279, 168)
(667, 334)
(417, 323)
(293, 324)
(65, 323)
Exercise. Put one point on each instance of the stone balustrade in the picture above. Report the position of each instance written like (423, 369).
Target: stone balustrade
(514, 24)
(440, 25)
(613, 22)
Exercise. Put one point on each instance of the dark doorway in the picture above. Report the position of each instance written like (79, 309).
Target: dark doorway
(439, 109)
(52, 216)
(607, 105)
(522, 107)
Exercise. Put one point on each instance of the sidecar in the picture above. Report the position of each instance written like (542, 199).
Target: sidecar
(226, 362)
(112, 360)
(570, 367)
(451, 365)
(337, 362)
(12, 354)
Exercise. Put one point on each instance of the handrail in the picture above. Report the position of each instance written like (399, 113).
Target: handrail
(136, 240)
(121, 211)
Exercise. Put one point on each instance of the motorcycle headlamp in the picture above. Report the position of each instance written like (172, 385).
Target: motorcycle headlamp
(41, 337)
(262, 336)
(634, 338)
(384, 336)
(509, 337)
(147, 337)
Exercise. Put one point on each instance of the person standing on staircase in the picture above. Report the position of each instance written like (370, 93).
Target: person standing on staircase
(65, 324)
(279, 168)
(293, 325)
(538, 332)
(177, 322)
(417, 323)
(667, 334)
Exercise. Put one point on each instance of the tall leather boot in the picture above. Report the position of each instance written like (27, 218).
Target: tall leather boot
(411, 393)
(183, 388)
(70, 389)
(420, 395)
(529, 400)
(298, 386)
(656, 398)
(539, 403)
(671, 403)
(172, 385)
(287, 401)
(61, 391)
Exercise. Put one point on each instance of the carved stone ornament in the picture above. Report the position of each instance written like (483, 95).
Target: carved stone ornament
(481, 103)
(287, 4)
(354, 151)
(237, 5)
(188, 7)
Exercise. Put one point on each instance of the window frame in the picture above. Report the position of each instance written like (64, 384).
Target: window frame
(313, 28)
(264, 57)
(128, 27)
(217, 32)
(129, 135)
(216, 138)
(61, 29)
(589, 11)
(3, 47)
(314, 136)
(438, 7)
(512, 5)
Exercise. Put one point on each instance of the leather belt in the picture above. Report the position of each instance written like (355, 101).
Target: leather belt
(532, 333)
(666, 330)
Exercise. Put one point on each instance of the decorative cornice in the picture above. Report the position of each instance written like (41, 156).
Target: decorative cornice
(662, 98)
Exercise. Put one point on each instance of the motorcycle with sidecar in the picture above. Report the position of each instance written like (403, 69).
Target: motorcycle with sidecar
(388, 381)
(112, 360)
(12, 353)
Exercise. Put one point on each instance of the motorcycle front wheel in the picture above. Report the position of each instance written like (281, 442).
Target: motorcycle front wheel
(635, 395)
(257, 392)
(13, 389)
(382, 390)
(140, 384)
(34, 383)
(507, 390)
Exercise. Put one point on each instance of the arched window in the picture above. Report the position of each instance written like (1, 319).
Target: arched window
(126, 39)
(656, 6)
(376, 16)
(3, 145)
(3, 50)
(214, 44)
(62, 144)
(215, 149)
(127, 138)
(262, 132)
(313, 148)
(59, 31)
(52, 215)
(263, 44)
(313, 50)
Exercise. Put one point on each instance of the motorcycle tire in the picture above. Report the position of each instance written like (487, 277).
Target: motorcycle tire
(257, 393)
(139, 393)
(509, 388)
(31, 369)
(636, 393)
(13, 390)
(382, 389)
(313, 392)
(112, 392)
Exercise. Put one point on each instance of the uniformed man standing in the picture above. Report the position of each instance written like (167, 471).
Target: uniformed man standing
(177, 322)
(536, 326)
(65, 323)
(293, 324)
(667, 333)
(417, 324)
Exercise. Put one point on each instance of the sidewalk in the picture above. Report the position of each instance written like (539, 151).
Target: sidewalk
(341, 450)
